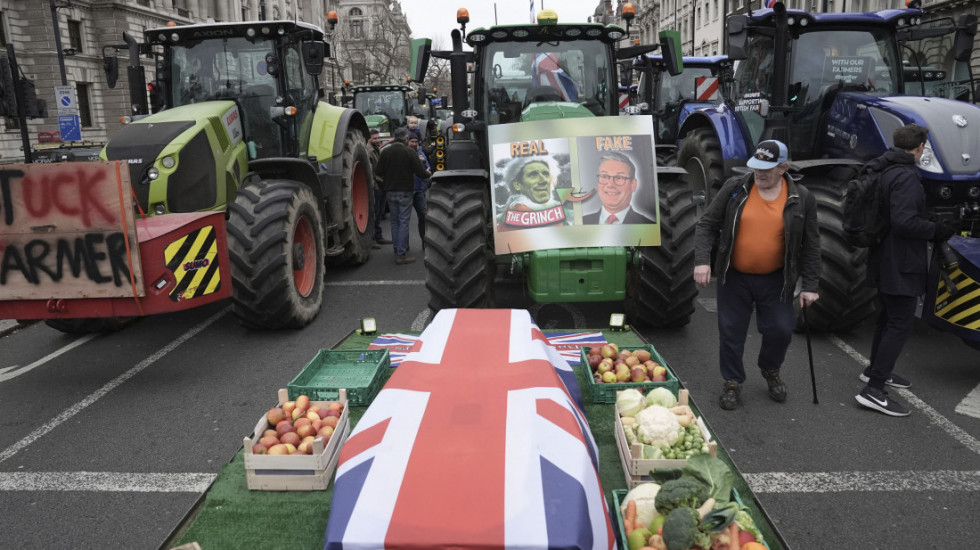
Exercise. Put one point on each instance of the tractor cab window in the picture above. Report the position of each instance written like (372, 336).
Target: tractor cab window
(385, 108)
(675, 91)
(928, 65)
(301, 92)
(518, 74)
(229, 68)
(826, 62)
(753, 81)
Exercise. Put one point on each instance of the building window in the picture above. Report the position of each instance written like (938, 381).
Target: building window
(84, 106)
(3, 26)
(75, 35)
(698, 22)
(707, 12)
(716, 10)
(356, 29)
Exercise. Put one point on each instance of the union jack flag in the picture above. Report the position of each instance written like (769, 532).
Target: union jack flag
(532, 11)
(546, 71)
(770, 3)
(398, 345)
(478, 407)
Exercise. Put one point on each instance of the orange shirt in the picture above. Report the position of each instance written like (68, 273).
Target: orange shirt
(760, 241)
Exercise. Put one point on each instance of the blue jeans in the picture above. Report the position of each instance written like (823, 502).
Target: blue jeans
(741, 293)
(400, 204)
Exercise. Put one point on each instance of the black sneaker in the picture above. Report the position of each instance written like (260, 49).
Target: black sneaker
(881, 402)
(404, 260)
(894, 380)
(730, 393)
(777, 390)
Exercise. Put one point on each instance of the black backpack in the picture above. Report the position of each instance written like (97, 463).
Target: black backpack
(865, 217)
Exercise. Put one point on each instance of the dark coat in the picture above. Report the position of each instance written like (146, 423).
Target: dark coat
(397, 167)
(632, 216)
(719, 223)
(899, 265)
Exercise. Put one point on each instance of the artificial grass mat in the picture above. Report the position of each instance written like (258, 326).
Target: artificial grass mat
(233, 517)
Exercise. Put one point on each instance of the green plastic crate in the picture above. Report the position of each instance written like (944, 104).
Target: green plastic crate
(619, 496)
(361, 372)
(606, 393)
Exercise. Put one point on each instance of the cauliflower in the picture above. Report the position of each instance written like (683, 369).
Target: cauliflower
(657, 426)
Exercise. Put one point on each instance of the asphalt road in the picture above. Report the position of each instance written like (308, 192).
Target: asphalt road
(108, 441)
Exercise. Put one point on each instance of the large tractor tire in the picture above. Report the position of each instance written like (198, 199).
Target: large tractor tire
(356, 225)
(660, 291)
(459, 246)
(845, 299)
(276, 244)
(700, 155)
(90, 325)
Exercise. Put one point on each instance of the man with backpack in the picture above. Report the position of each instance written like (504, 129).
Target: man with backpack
(898, 263)
(765, 227)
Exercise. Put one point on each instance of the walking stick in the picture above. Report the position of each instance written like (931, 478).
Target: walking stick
(809, 352)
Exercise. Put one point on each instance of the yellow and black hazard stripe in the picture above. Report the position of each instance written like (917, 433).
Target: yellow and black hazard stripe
(963, 308)
(193, 259)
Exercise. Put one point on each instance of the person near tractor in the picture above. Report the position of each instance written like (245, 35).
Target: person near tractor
(530, 183)
(421, 186)
(397, 166)
(764, 226)
(616, 184)
(412, 125)
(898, 265)
(374, 149)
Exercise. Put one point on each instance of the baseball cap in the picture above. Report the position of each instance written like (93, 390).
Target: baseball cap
(768, 155)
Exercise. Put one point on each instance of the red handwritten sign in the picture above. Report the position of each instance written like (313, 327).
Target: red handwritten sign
(67, 231)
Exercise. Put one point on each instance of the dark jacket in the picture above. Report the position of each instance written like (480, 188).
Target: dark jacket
(375, 154)
(397, 167)
(719, 223)
(899, 264)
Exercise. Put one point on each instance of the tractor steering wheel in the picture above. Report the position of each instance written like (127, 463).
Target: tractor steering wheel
(542, 93)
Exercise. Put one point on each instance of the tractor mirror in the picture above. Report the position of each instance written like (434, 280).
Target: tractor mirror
(963, 42)
(111, 66)
(421, 49)
(313, 54)
(670, 49)
(737, 37)
(625, 74)
(271, 64)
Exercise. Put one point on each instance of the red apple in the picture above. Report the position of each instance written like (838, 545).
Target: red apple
(259, 449)
(323, 412)
(275, 415)
(317, 424)
(300, 422)
(269, 441)
(332, 413)
(305, 430)
(284, 429)
(325, 432)
(271, 432)
(279, 449)
(290, 438)
(335, 406)
(330, 421)
(658, 378)
(305, 447)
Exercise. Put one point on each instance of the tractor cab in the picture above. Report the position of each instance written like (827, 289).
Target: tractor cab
(384, 107)
(267, 68)
(936, 59)
(671, 98)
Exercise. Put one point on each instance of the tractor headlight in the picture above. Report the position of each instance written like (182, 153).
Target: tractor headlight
(945, 192)
(929, 162)
(168, 162)
(153, 174)
(974, 192)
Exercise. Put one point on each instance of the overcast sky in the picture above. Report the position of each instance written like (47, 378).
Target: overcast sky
(435, 19)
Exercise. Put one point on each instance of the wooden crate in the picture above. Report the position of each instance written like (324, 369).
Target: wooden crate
(296, 472)
(636, 468)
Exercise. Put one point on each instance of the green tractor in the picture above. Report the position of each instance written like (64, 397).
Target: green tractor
(241, 126)
(539, 76)
(384, 106)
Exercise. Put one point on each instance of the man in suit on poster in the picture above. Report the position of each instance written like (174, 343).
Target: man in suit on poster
(616, 184)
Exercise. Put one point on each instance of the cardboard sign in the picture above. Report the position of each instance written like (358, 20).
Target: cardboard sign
(67, 231)
(582, 182)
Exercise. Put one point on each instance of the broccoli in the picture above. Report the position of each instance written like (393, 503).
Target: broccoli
(679, 493)
(680, 528)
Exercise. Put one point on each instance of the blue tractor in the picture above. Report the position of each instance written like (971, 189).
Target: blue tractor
(832, 86)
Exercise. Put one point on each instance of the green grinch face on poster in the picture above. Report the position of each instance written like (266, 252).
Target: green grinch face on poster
(534, 181)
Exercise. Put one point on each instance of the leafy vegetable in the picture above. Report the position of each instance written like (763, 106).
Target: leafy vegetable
(644, 495)
(680, 528)
(745, 523)
(661, 396)
(680, 493)
(629, 402)
(713, 473)
(718, 519)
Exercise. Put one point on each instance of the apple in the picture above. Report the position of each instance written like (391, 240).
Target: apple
(288, 407)
(290, 448)
(331, 421)
(594, 360)
(314, 408)
(312, 415)
(325, 432)
(303, 402)
(305, 447)
(269, 441)
(317, 424)
(658, 378)
(275, 415)
(609, 377)
(332, 413)
(271, 432)
(608, 351)
(279, 449)
(298, 413)
(623, 355)
(284, 429)
(305, 430)
(638, 374)
(604, 367)
(659, 370)
(291, 438)
(632, 361)
(642, 354)
(259, 449)
(302, 422)
(323, 412)
(622, 373)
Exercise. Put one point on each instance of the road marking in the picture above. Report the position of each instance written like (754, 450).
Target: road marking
(375, 283)
(105, 482)
(8, 373)
(838, 482)
(938, 419)
(101, 392)
(970, 406)
(8, 324)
